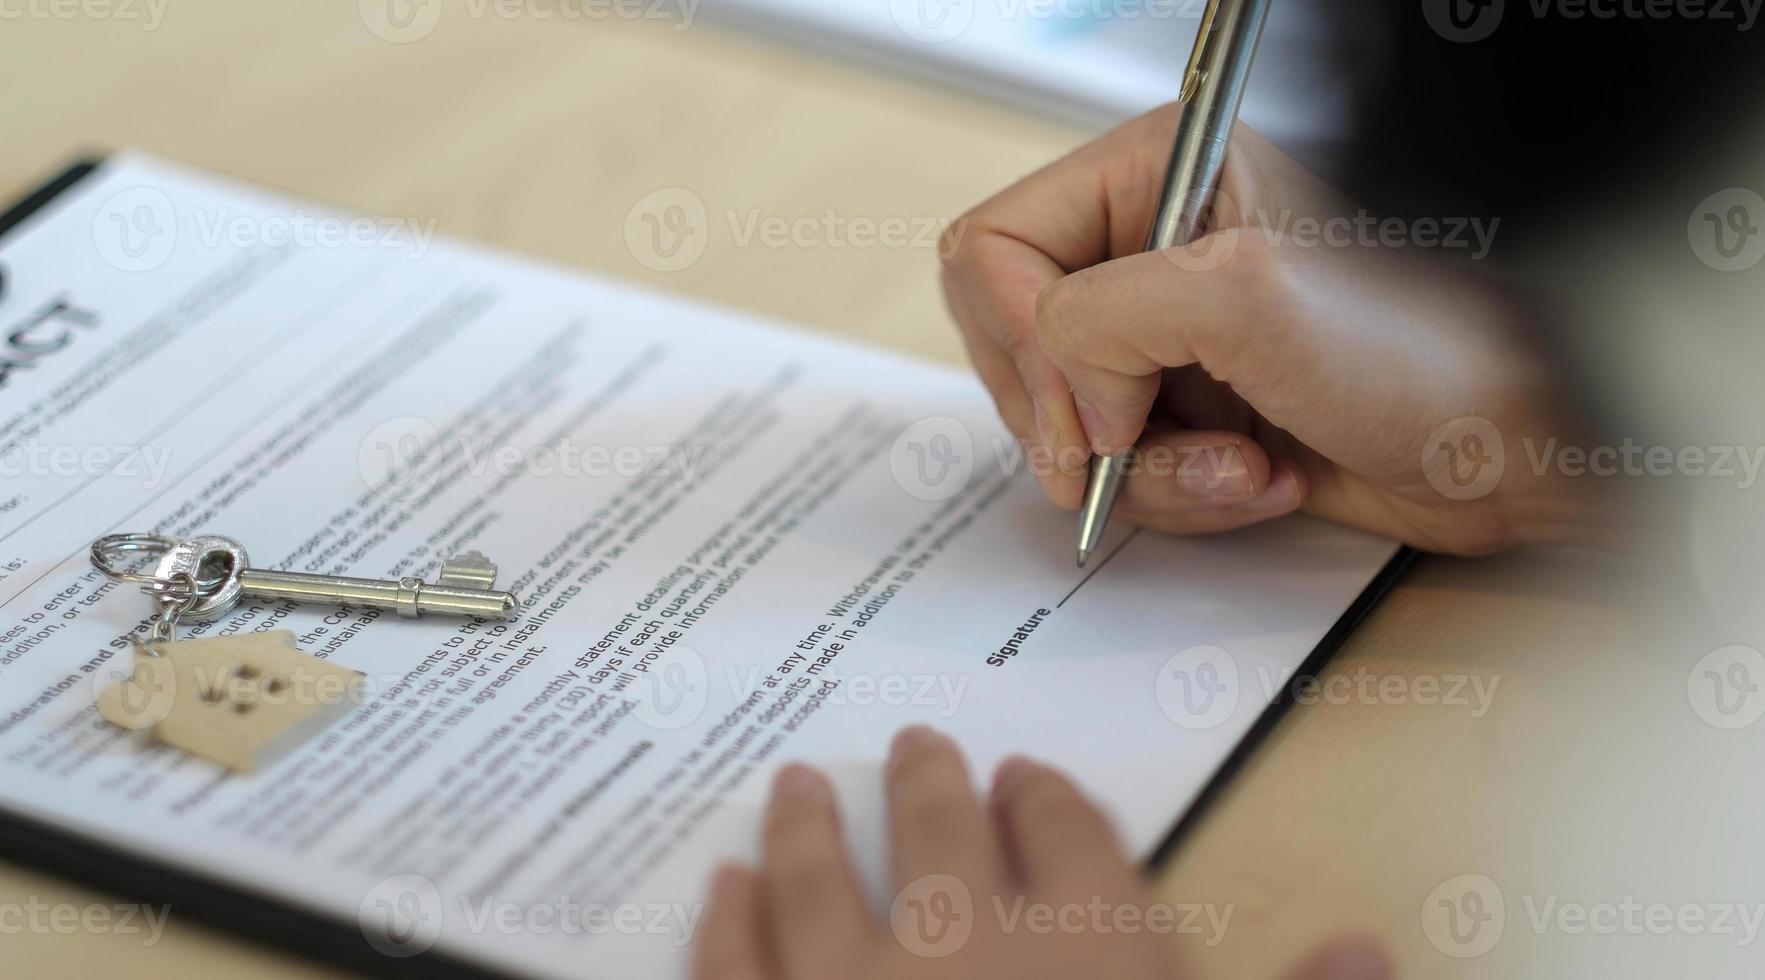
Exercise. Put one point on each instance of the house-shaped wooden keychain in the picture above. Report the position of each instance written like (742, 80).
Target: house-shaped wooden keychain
(241, 701)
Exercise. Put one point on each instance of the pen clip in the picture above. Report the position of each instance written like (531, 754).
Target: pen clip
(1203, 37)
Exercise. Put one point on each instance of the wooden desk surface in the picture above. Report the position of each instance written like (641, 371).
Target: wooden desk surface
(541, 135)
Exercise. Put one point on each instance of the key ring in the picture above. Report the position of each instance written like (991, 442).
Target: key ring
(212, 562)
(176, 584)
(171, 606)
(107, 550)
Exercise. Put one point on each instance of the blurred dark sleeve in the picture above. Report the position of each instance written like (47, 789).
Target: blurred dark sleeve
(1514, 109)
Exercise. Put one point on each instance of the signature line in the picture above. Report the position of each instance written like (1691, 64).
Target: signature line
(1106, 560)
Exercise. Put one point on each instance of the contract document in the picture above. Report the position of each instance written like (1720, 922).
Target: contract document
(735, 545)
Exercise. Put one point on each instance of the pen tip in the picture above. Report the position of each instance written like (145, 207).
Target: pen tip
(1083, 557)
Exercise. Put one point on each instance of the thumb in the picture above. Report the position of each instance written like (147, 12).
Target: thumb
(1113, 328)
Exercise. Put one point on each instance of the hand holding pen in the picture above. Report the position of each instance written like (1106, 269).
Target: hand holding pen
(1257, 371)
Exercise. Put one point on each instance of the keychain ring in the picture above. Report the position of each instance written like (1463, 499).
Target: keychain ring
(106, 551)
(214, 564)
(211, 593)
(171, 606)
(176, 594)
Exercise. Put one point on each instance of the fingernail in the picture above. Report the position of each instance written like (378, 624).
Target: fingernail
(1074, 460)
(1357, 962)
(1283, 493)
(1041, 463)
(1010, 773)
(800, 781)
(1215, 471)
(1044, 429)
(727, 879)
(912, 737)
(1092, 420)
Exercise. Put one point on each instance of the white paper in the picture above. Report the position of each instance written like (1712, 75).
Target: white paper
(344, 395)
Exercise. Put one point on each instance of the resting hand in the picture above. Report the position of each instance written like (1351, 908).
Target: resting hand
(980, 870)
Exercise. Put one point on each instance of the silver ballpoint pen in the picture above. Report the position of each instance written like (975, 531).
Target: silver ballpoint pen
(1213, 85)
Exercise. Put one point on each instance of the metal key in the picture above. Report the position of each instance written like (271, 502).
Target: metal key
(222, 573)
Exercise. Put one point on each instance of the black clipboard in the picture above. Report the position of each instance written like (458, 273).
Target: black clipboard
(272, 920)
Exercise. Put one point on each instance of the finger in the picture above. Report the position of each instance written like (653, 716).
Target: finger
(1357, 958)
(731, 943)
(995, 367)
(1285, 493)
(1082, 209)
(1097, 202)
(1179, 470)
(1091, 205)
(1060, 845)
(817, 919)
(1114, 328)
(936, 822)
(1001, 299)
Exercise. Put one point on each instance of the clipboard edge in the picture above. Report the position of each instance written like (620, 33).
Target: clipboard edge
(37, 199)
(1271, 717)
